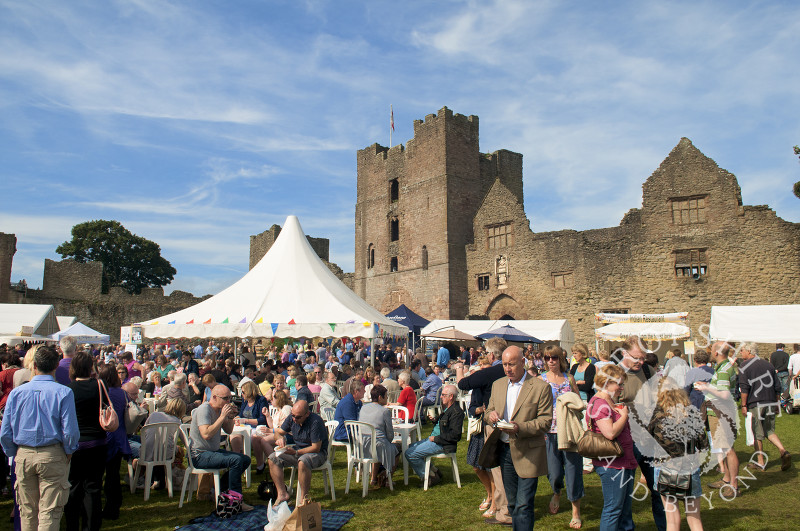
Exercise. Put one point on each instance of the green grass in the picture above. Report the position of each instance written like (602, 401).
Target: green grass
(769, 504)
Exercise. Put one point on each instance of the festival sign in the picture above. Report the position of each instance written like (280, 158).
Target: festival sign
(608, 318)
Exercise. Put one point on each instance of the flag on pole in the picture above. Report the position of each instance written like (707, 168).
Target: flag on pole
(391, 117)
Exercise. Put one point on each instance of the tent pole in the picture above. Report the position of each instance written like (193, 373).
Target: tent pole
(372, 353)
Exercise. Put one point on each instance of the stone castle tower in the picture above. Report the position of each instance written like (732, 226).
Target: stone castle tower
(8, 247)
(414, 211)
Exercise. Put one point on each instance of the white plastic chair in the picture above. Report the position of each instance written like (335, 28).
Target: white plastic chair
(316, 402)
(327, 413)
(272, 411)
(436, 407)
(192, 472)
(327, 466)
(453, 459)
(396, 410)
(155, 443)
(416, 418)
(364, 453)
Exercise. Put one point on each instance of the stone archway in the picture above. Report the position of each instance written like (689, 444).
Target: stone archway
(505, 307)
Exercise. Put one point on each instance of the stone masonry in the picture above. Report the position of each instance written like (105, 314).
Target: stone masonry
(8, 247)
(693, 244)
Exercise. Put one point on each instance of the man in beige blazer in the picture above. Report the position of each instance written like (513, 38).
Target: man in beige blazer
(526, 403)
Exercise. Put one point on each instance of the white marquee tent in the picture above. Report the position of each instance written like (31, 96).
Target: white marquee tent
(289, 293)
(65, 321)
(545, 330)
(26, 322)
(83, 334)
(760, 324)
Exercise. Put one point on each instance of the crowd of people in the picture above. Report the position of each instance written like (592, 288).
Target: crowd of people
(528, 411)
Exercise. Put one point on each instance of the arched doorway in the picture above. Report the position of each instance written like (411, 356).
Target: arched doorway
(506, 317)
(505, 307)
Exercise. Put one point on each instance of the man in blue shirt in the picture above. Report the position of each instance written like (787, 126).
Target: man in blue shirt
(40, 428)
(431, 386)
(442, 357)
(348, 408)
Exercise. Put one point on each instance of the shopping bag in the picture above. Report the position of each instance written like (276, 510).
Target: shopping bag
(748, 429)
(307, 516)
(277, 516)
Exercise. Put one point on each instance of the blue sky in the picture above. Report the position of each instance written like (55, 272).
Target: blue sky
(198, 124)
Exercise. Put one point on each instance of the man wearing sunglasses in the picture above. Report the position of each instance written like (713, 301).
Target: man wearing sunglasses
(309, 452)
(208, 421)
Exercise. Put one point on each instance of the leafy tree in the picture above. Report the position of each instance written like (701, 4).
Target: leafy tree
(797, 184)
(128, 260)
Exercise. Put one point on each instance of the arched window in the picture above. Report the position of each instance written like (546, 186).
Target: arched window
(394, 229)
(371, 256)
(424, 258)
(393, 264)
(394, 191)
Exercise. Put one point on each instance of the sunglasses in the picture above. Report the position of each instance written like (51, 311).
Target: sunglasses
(225, 398)
(297, 417)
(548, 358)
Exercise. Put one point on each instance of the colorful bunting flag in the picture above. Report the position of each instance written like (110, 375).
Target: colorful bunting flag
(333, 327)
(274, 327)
(171, 322)
(292, 322)
(260, 320)
(190, 322)
(154, 323)
(207, 322)
(225, 321)
(367, 323)
(244, 320)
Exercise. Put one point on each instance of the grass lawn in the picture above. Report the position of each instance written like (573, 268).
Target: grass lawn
(769, 503)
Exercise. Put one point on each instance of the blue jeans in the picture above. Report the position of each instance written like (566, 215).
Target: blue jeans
(519, 491)
(657, 506)
(235, 463)
(417, 452)
(561, 463)
(617, 498)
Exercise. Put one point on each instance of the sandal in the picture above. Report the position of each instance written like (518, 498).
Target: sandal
(575, 523)
(489, 514)
(485, 504)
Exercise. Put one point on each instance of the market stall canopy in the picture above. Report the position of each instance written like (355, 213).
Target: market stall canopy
(289, 293)
(406, 317)
(83, 334)
(451, 334)
(509, 333)
(546, 330)
(646, 331)
(65, 321)
(28, 320)
(760, 324)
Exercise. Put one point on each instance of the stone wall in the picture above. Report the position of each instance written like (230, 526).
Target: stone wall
(75, 288)
(751, 255)
(431, 188)
(261, 243)
(8, 246)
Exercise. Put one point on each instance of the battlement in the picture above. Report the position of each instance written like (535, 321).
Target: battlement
(261, 243)
(8, 246)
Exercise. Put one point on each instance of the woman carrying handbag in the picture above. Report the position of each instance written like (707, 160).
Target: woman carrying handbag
(610, 419)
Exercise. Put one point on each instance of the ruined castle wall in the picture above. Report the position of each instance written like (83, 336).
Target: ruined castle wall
(751, 255)
(441, 179)
(69, 279)
(261, 243)
(8, 246)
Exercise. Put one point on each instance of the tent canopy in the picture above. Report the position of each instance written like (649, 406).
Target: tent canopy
(760, 324)
(29, 319)
(546, 330)
(83, 334)
(65, 321)
(289, 293)
(451, 334)
(406, 317)
(646, 331)
(509, 333)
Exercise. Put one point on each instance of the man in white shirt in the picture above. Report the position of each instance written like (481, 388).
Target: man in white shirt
(794, 362)
(526, 404)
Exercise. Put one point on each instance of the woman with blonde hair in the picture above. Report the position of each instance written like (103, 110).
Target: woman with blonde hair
(610, 419)
(26, 372)
(583, 371)
(562, 466)
(267, 435)
(679, 429)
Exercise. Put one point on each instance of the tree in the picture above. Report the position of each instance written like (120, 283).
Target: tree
(797, 184)
(128, 260)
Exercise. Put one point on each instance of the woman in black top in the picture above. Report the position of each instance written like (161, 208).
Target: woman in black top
(88, 462)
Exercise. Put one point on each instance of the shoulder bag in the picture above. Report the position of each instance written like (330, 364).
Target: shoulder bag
(674, 483)
(108, 417)
(595, 445)
(134, 416)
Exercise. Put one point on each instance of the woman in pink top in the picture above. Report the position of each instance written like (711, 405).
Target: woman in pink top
(610, 419)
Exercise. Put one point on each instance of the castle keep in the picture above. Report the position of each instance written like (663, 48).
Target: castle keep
(441, 227)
